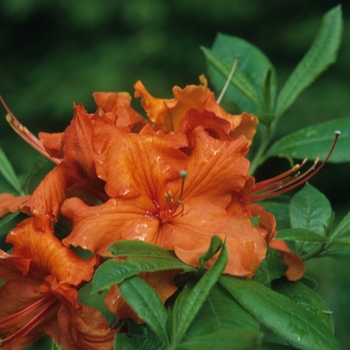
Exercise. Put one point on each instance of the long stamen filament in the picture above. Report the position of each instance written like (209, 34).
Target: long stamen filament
(291, 178)
(25, 134)
(22, 332)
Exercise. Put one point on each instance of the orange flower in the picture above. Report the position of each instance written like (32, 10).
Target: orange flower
(168, 114)
(242, 203)
(40, 292)
(149, 200)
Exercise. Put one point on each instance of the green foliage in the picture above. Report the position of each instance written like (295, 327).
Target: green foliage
(302, 328)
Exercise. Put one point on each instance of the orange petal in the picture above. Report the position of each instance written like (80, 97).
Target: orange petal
(10, 204)
(51, 192)
(215, 169)
(77, 147)
(33, 239)
(118, 103)
(170, 112)
(140, 163)
(247, 126)
(52, 143)
(96, 228)
(189, 235)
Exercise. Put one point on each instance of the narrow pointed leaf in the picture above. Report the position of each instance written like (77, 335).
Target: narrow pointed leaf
(116, 271)
(193, 300)
(8, 173)
(287, 319)
(147, 304)
(299, 234)
(321, 54)
(338, 251)
(316, 141)
(343, 229)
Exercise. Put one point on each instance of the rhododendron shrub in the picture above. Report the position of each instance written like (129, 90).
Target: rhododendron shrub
(151, 230)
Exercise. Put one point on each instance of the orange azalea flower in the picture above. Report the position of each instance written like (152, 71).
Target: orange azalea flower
(40, 296)
(150, 202)
(168, 114)
(10, 204)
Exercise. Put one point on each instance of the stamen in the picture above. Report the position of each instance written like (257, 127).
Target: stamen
(235, 62)
(291, 178)
(22, 332)
(25, 134)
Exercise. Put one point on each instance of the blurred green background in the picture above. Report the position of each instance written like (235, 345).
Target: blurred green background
(59, 51)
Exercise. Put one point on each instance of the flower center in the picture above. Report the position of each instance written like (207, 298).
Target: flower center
(172, 208)
(291, 178)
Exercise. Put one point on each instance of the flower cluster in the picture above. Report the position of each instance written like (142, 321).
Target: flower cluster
(175, 179)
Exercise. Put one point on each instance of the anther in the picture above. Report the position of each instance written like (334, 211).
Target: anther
(290, 179)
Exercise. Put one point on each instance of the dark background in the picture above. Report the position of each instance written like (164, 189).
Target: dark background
(55, 52)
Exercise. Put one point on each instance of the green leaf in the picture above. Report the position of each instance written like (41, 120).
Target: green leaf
(8, 173)
(342, 229)
(237, 339)
(216, 314)
(147, 304)
(310, 210)
(138, 248)
(287, 319)
(299, 234)
(280, 211)
(254, 71)
(55, 346)
(338, 251)
(191, 300)
(316, 141)
(306, 298)
(8, 218)
(321, 54)
(271, 267)
(138, 337)
(116, 271)
(273, 346)
(215, 245)
(239, 79)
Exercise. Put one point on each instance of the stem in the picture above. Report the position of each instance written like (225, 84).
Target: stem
(259, 158)
(313, 252)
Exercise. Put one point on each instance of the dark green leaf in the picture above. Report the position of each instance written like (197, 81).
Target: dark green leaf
(343, 229)
(338, 251)
(116, 271)
(299, 234)
(321, 54)
(271, 267)
(139, 337)
(55, 346)
(138, 248)
(147, 304)
(289, 320)
(8, 173)
(280, 211)
(306, 298)
(215, 245)
(309, 209)
(237, 339)
(316, 141)
(217, 314)
(254, 71)
(273, 346)
(189, 304)
(8, 218)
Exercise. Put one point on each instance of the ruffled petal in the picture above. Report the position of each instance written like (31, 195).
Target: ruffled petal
(10, 204)
(33, 239)
(96, 228)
